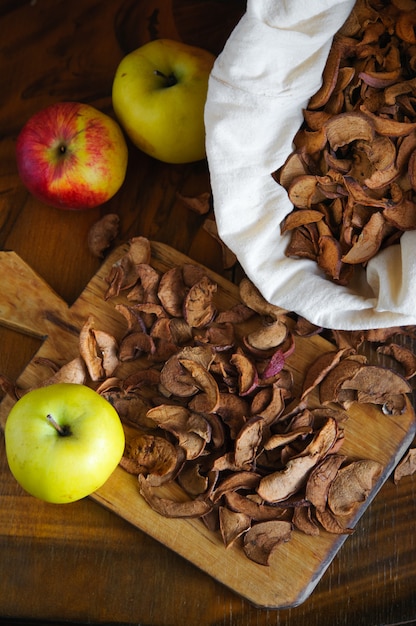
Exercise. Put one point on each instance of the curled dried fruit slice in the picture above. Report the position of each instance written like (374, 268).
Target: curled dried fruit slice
(267, 336)
(72, 372)
(303, 521)
(102, 234)
(172, 508)
(278, 486)
(345, 128)
(376, 384)
(351, 486)
(320, 480)
(191, 429)
(198, 306)
(331, 523)
(369, 241)
(404, 356)
(247, 373)
(263, 538)
(99, 351)
(172, 291)
(204, 381)
(256, 510)
(407, 465)
(252, 298)
(247, 442)
(149, 454)
(232, 525)
(123, 274)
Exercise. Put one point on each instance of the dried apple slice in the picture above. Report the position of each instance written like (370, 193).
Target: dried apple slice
(263, 538)
(232, 525)
(352, 485)
(172, 508)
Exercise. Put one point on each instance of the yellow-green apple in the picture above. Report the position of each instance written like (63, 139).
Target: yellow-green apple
(159, 94)
(63, 441)
(70, 155)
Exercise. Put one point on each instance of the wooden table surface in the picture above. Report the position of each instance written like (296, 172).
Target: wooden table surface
(80, 562)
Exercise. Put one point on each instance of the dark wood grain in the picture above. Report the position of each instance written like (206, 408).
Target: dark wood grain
(80, 562)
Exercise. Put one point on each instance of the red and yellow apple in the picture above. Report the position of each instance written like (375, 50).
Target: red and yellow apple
(159, 94)
(63, 441)
(72, 156)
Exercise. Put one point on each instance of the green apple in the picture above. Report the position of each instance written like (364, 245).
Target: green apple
(63, 441)
(159, 94)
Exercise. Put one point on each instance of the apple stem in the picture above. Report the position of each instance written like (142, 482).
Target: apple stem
(170, 80)
(63, 431)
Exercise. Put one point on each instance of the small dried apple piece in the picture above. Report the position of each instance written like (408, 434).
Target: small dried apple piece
(130, 406)
(172, 508)
(145, 290)
(191, 479)
(233, 411)
(149, 454)
(330, 257)
(352, 485)
(245, 479)
(253, 299)
(300, 217)
(88, 348)
(304, 192)
(293, 167)
(134, 344)
(191, 429)
(277, 486)
(368, 242)
(108, 348)
(263, 538)
(72, 372)
(345, 128)
(204, 381)
(220, 336)
(267, 336)
(175, 380)
(123, 273)
(332, 382)
(405, 357)
(232, 525)
(406, 467)
(247, 443)
(320, 479)
(269, 403)
(331, 523)
(254, 508)
(282, 439)
(172, 291)
(302, 520)
(377, 384)
(198, 306)
(320, 368)
(102, 234)
(247, 373)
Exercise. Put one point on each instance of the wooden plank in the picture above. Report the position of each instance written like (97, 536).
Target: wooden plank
(297, 566)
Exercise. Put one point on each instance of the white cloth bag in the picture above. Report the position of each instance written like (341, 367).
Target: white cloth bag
(270, 66)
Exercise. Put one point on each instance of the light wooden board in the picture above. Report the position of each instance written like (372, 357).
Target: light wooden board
(28, 305)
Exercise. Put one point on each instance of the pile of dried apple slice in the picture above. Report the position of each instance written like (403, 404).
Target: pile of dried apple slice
(209, 403)
(352, 175)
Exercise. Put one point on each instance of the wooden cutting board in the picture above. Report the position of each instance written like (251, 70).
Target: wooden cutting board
(29, 305)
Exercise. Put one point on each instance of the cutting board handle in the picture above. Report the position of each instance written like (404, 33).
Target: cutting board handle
(27, 303)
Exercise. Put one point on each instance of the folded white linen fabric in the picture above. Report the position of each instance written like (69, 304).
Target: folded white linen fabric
(271, 65)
